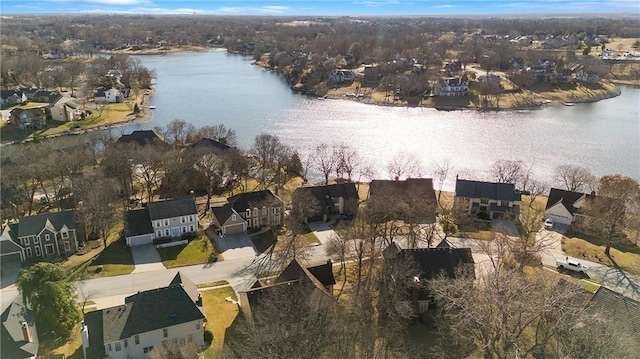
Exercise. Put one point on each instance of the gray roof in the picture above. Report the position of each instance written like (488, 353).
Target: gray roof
(143, 312)
(12, 340)
(568, 198)
(212, 144)
(325, 194)
(490, 190)
(187, 285)
(223, 213)
(8, 246)
(624, 312)
(434, 261)
(242, 201)
(142, 137)
(32, 225)
(137, 222)
(172, 208)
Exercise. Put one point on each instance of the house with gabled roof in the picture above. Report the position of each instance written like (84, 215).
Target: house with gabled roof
(173, 218)
(257, 209)
(142, 138)
(488, 200)
(451, 87)
(564, 206)
(318, 279)
(412, 200)
(28, 119)
(333, 199)
(145, 321)
(211, 144)
(12, 97)
(430, 263)
(44, 236)
(64, 109)
(18, 334)
(622, 311)
(10, 250)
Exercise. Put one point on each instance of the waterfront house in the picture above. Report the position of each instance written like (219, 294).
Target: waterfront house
(488, 200)
(451, 87)
(412, 200)
(145, 321)
(171, 219)
(334, 199)
(341, 76)
(249, 210)
(142, 138)
(111, 95)
(564, 206)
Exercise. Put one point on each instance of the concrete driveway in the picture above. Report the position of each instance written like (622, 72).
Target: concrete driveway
(323, 231)
(234, 246)
(146, 258)
(9, 272)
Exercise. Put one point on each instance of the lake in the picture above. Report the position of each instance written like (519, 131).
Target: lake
(213, 87)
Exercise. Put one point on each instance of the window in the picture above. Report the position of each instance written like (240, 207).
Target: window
(158, 224)
(136, 339)
(233, 217)
(126, 343)
(147, 349)
(248, 213)
(255, 212)
(109, 346)
(64, 234)
(192, 228)
(36, 239)
(159, 234)
(184, 229)
(118, 346)
(166, 232)
(264, 211)
(28, 251)
(47, 237)
(25, 241)
(67, 247)
(165, 332)
(191, 219)
(182, 219)
(275, 210)
(198, 326)
(166, 222)
(255, 222)
(38, 254)
(49, 249)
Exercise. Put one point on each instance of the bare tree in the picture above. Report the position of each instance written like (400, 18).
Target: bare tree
(177, 132)
(507, 171)
(440, 172)
(325, 159)
(264, 151)
(218, 133)
(404, 165)
(575, 178)
(97, 194)
(349, 161)
(171, 349)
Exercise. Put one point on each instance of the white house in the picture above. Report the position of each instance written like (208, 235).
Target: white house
(563, 206)
(64, 109)
(145, 321)
(455, 86)
(111, 95)
(164, 219)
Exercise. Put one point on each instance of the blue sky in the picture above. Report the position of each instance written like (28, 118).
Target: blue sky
(320, 7)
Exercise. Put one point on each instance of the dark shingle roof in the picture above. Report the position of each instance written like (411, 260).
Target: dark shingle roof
(242, 201)
(324, 273)
(137, 222)
(412, 200)
(32, 225)
(568, 198)
(12, 341)
(434, 261)
(172, 208)
(325, 194)
(143, 312)
(9, 246)
(222, 213)
(213, 144)
(490, 190)
(187, 285)
(95, 325)
(142, 137)
(624, 312)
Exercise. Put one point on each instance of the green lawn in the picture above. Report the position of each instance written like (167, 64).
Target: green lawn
(312, 239)
(70, 348)
(198, 251)
(263, 241)
(220, 316)
(577, 245)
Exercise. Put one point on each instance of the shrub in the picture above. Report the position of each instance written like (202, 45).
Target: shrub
(162, 240)
(208, 336)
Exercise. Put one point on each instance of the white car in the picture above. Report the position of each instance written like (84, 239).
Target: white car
(572, 265)
(548, 223)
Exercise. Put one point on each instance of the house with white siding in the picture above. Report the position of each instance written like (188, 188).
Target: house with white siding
(174, 218)
(451, 87)
(564, 206)
(145, 321)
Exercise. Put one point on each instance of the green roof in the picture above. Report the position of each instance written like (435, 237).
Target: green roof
(33, 225)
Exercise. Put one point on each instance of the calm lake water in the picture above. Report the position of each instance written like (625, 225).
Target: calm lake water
(213, 87)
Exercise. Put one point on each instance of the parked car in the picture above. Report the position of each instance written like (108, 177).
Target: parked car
(572, 265)
(548, 223)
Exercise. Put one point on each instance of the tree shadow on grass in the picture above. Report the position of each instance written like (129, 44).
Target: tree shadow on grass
(115, 253)
(263, 241)
(622, 244)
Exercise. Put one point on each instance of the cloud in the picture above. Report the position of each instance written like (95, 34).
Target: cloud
(119, 2)
(26, 7)
(228, 10)
(372, 3)
(446, 6)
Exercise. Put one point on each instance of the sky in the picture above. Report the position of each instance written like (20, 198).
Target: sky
(321, 7)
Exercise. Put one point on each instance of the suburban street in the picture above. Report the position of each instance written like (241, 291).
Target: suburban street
(110, 291)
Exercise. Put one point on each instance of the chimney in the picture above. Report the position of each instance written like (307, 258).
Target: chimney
(84, 335)
(26, 332)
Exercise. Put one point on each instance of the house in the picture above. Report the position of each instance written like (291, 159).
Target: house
(111, 95)
(174, 218)
(621, 311)
(12, 97)
(371, 75)
(44, 96)
(489, 79)
(564, 76)
(18, 334)
(318, 279)
(341, 76)
(431, 263)
(145, 321)
(586, 77)
(64, 109)
(564, 206)
(142, 138)
(28, 119)
(451, 87)
(256, 209)
(44, 236)
(488, 200)
(412, 200)
(211, 144)
(339, 198)
(451, 68)
(10, 250)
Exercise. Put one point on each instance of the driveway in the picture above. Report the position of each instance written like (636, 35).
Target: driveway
(9, 272)
(323, 231)
(234, 246)
(146, 258)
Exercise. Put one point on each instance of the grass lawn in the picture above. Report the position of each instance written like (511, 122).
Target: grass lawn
(220, 316)
(198, 251)
(71, 348)
(263, 241)
(212, 284)
(579, 246)
(553, 277)
(474, 230)
(312, 239)
(116, 259)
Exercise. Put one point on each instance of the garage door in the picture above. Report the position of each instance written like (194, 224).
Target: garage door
(10, 258)
(560, 219)
(233, 229)
(140, 240)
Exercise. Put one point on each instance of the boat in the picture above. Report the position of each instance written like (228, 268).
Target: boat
(567, 103)
(152, 107)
